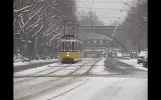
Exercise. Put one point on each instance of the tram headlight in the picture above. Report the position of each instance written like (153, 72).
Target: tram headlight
(67, 53)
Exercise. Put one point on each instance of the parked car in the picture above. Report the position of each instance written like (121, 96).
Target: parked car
(145, 61)
(141, 56)
(114, 55)
(110, 54)
(119, 55)
(126, 56)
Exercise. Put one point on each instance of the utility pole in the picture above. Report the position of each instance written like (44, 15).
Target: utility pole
(77, 30)
(73, 27)
(26, 44)
(144, 40)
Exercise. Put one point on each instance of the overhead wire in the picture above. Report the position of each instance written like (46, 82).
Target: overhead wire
(91, 16)
(90, 8)
(103, 8)
(103, 17)
(103, 2)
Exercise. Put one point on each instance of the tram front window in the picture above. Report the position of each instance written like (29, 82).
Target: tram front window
(73, 46)
(62, 46)
(68, 46)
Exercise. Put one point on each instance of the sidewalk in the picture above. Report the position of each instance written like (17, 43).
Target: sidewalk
(19, 66)
(133, 62)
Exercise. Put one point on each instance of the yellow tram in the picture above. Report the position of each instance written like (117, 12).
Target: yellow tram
(70, 50)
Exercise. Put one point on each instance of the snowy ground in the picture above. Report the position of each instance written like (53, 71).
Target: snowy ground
(53, 85)
(99, 68)
(88, 88)
(133, 62)
(33, 62)
(105, 89)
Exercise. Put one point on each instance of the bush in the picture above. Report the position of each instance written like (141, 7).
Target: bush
(26, 59)
(37, 56)
(43, 57)
(48, 57)
(51, 56)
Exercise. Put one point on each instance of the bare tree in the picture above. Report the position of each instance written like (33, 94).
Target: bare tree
(136, 22)
(90, 19)
(40, 20)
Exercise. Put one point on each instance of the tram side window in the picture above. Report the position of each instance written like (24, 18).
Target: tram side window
(68, 46)
(81, 46)
(78, 46)
(73, 47)
(63, 46)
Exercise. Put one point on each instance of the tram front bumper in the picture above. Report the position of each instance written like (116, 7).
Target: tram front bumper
(67, 60)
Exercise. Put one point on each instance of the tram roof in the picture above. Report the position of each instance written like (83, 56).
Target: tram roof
(72, 40)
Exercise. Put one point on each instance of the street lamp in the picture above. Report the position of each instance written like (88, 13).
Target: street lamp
(119, 17)
(121, 10)
(115, 28)
(126, 3)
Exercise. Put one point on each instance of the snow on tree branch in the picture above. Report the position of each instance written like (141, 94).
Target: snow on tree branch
(42, 18)
(56, 35)
(30, 19)
(29, 7)
(50, 28)
(45, 9)
(15, 11)
(50, 20)
(38, 30)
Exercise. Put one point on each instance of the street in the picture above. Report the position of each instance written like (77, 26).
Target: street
(90, 79)
(110, 38)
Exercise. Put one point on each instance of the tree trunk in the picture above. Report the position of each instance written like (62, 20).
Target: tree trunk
(45, 51)
(36, 46)
(26, 45)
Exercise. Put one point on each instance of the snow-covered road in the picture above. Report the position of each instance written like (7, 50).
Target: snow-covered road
(107, 89)
(74, 82)
(133, 62)
(17, 64)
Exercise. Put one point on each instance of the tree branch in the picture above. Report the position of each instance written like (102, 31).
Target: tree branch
(30, 19)
(38, 30)
(52, 27)
(56, 35)
(24, 8)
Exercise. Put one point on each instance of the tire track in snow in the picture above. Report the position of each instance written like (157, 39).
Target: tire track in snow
(50, 81)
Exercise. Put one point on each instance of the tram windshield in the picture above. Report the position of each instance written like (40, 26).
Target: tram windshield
(70, 46)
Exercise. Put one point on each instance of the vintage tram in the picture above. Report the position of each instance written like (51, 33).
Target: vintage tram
(70, 50)
(70, 46)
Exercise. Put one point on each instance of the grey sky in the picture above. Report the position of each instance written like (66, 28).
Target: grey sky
(112, 11)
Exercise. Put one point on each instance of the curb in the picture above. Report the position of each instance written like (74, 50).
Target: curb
(140, 67)
(32, 65)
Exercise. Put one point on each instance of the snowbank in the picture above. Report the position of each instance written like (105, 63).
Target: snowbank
(33, 62)
(133, 62)
(34, 70)
(99, 68)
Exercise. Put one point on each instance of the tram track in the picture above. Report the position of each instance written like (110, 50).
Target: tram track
(87, 72)
(30, 77)
(74, 78)
(42, 70)
(43, 89)
(58, 79)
